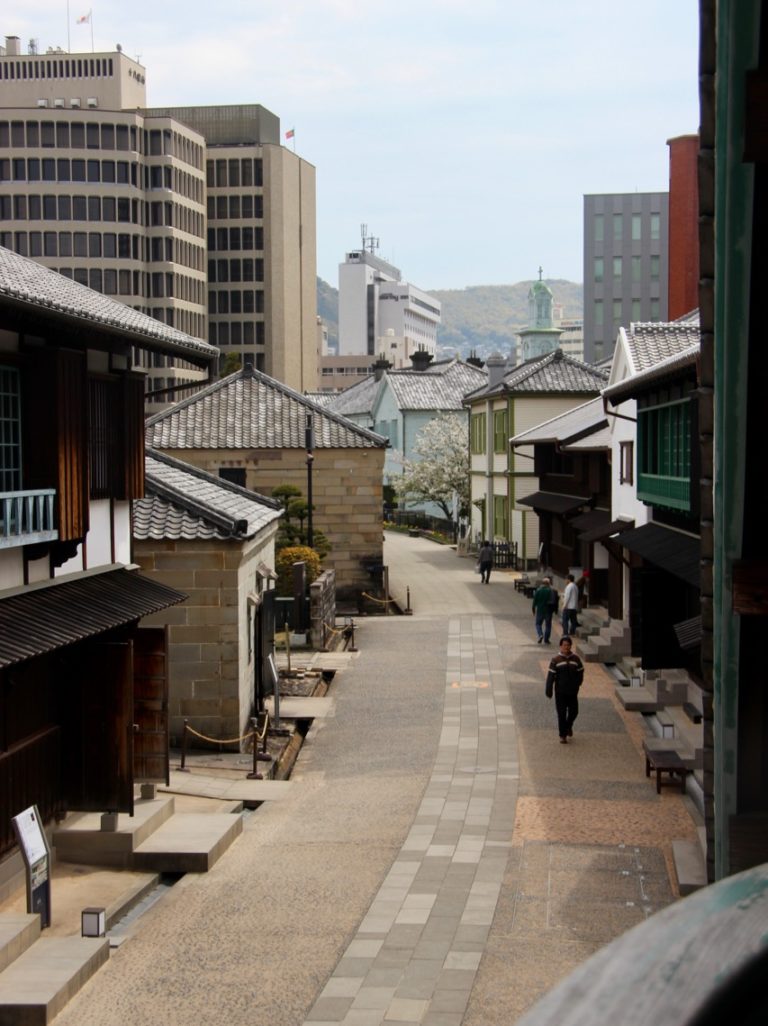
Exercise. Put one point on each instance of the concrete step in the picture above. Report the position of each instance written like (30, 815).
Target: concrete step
(17, 933)
(80, 837)
(188, 843)
(36, 985)
(636, 699)
(690, 867)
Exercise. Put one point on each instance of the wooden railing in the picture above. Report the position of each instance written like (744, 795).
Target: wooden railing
(30, 774)
(27, 517)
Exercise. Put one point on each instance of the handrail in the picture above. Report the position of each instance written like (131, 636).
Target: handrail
(27, 516)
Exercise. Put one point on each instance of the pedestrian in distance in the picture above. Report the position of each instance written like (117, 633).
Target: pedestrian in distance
(570, 606)
(564, 678)
(485, 561)
(544, 607)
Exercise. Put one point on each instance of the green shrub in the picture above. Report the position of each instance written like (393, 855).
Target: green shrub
(284, 561)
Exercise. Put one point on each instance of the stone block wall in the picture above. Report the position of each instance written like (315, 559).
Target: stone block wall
(347, 491)
(322, 610)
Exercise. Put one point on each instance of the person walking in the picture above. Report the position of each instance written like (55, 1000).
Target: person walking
(570, 606)
(544, 605)
(485, 561)
(564, 678)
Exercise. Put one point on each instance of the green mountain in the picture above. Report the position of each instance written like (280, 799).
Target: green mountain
(483, 318)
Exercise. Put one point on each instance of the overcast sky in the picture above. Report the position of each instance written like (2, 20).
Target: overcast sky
(464, 134)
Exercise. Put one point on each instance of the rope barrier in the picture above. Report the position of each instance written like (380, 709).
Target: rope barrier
(334, 630)
(219, 740)
(382, 602)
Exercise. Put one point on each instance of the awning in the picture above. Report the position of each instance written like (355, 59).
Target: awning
(43, 618)
(595, 519)
(552, 502)
(673, 551)
(600, 533)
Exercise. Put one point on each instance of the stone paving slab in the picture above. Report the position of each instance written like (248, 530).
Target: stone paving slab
(292, 708)
(247, 791)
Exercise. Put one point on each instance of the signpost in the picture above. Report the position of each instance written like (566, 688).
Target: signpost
(37, 861)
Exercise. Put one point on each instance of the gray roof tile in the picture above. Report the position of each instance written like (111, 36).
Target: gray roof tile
(24, 281)
(249, 410)
(556, 373)
(182, 501)
(441, 386)
(650, 343)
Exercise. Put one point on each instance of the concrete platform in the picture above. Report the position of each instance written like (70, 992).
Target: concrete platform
(37, 984)
(80, 837)
(250, 793)
(302, 708)
(637, 699)
(17, 933)
(690, 868)
(188, 843)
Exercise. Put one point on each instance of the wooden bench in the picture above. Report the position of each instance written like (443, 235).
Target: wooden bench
(666, 762)
(522, 583)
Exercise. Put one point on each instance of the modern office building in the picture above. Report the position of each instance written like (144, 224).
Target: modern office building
(626, 247)
(174, 211)
(379, 313)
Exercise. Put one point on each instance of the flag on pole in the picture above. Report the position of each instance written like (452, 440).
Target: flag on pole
(84, 19)
(290, 133)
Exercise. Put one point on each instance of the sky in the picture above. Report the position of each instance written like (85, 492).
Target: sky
(463, 134)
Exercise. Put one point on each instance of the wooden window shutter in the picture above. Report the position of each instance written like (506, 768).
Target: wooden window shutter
(133, 438)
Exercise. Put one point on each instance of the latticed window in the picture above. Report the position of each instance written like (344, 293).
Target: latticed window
(477, 427)
(499, 516)
(664, 455)
(10, 430)
(500, 431)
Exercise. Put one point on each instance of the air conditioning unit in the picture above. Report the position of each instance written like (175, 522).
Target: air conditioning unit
(75, 102)
(58, 102)
(92, 101)
(42, 103)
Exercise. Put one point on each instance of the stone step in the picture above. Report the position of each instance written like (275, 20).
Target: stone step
(188, 843)
(38, 984)
(636, 699)
(80, 837)
(690, 868)
(17, 933)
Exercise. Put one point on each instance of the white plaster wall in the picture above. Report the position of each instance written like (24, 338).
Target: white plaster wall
(122, 521)
(259, 550)
(98, 544)
(11, 568)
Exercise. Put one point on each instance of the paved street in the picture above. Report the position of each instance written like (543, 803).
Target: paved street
(441, 859)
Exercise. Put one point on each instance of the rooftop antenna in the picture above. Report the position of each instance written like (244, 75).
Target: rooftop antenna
(370, 242)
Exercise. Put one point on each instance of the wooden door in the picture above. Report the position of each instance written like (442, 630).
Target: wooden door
(97, 746)
(150, 705)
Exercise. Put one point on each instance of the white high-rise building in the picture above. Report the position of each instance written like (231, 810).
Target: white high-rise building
(379, 313)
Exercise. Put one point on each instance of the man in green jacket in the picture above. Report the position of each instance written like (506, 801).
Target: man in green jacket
(544, 605)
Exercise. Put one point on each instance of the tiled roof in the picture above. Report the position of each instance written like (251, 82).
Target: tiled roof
(357, 399)
(249, 410)
(649, 344)
(28, 284)
(583, 420)
(441, 387)
(554, 373)
(666, 368)
(182, 501)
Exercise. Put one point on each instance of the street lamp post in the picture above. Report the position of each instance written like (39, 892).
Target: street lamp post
(309, 443)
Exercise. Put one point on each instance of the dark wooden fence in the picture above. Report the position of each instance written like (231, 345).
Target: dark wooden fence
(30, 774)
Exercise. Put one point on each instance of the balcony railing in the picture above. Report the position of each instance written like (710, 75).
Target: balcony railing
(27, 517)
(661, 490)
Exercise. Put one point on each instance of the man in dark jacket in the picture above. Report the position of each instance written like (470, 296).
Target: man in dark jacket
(566, 672)
(544, 607)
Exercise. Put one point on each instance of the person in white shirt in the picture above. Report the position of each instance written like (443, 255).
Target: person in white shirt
(570, 606)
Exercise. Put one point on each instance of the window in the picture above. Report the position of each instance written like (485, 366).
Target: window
(598, 313)
(637, 267)
(477, 433)
(10, 430)
(626, 462)
(500, 431)
(637, 227)
(618, 227)
(616, 311)
(599, 228)
(664, 455)
(655, 261)
(500, 516)
(599, 268)
(617, 268)
(636, 311)
(655, 226)
(235, 475)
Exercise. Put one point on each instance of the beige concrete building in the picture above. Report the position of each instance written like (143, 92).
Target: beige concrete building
(176, 212)
(250, 429)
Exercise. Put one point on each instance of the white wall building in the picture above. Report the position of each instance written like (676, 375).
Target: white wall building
(380, 314)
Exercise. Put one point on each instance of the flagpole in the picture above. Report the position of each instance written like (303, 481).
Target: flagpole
(69, 41)
(90, 20)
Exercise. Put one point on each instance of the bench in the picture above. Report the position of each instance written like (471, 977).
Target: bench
(522, 583)
(666, 762)
(666, 723)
